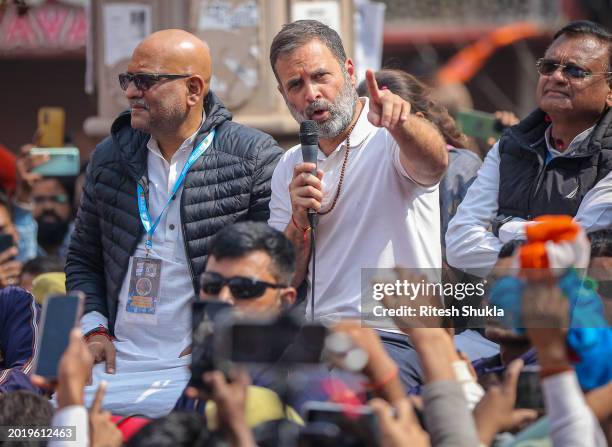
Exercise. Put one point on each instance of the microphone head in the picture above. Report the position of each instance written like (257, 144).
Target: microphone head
(309, 135)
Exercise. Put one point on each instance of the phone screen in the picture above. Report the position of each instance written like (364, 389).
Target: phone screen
(6, 242)
(63, 161)
(358, 424)
(257, 344)
(479, 124)
(60, 314)
(529, 390)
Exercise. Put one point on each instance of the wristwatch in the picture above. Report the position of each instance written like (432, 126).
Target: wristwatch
(498, 222)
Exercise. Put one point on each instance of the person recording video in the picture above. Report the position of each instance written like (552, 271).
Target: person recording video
(250, 268)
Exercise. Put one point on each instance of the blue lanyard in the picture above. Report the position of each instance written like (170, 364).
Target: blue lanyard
(145, 218)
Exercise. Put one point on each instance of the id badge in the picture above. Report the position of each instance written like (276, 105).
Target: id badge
(143, 295)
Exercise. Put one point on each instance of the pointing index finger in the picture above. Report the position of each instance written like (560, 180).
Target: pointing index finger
(373, 90)
(97, 403)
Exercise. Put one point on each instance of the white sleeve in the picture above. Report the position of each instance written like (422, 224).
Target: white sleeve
(396, 155)
(92, 320)
(513, 230)
(595, 210)
(76, 417)
(280, 201)
(469, 242)
(572, 423)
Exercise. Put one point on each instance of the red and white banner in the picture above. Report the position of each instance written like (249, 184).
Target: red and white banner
(49, 26)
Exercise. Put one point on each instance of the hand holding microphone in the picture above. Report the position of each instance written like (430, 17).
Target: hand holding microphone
(305, 189)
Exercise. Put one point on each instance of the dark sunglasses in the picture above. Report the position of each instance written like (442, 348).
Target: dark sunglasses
(144, 81)
(241, 287)
(547, 67)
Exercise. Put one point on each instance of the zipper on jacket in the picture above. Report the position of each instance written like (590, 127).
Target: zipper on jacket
(535, 187)
(540, 173)
(187, 255)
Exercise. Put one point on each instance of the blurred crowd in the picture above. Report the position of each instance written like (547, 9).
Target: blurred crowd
(181, 209)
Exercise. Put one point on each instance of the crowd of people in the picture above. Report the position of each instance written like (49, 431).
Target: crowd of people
(180, 206)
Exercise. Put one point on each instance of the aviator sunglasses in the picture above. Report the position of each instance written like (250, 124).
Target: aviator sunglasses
(240, 286)
(144, 81)
(547, 67)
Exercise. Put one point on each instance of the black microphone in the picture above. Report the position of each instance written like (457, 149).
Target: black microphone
(309, 140)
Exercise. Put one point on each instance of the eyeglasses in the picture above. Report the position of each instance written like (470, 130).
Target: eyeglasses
(58, 198)
(144, 81)
(240, 286)
(547, 67)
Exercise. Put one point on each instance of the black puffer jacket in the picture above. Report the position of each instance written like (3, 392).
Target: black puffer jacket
(229, 183)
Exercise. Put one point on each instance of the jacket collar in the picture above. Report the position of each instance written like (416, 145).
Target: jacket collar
(132, 144)
(530, 132)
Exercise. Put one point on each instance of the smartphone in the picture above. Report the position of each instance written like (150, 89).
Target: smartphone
(270, 341)
(6, 242)
(204, 314)
(475, 123)
(63, 161)
(529, 390)
(357, 424)
(60, 314)
(51, 126)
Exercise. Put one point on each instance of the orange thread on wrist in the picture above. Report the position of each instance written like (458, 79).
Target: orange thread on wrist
(384, 381)
(303, 230)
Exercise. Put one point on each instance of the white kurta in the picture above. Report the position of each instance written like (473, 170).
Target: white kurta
(382, 218)
(150, 376)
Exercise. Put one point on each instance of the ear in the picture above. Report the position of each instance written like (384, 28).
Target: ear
(350, 68)
(420, 114)
(288, 296)
(609, 98)
(196, 90)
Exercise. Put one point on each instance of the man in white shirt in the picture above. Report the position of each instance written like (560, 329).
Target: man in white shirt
(376, 189)
(175, 171)
(558, 160)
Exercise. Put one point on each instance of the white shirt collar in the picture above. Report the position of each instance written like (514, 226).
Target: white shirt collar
(578, 139)
(153, 146)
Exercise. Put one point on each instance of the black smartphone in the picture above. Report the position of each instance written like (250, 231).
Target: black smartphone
(204, 314)
(356, 425)
(529, 390)
(271, 341)
(6, 242)
(60, 314)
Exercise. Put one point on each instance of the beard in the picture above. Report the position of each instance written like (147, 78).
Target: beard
(341, 110)
(51, 230)
(165, 118)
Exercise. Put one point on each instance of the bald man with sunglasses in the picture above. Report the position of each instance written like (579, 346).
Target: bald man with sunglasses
(174, 171)
(558, 160)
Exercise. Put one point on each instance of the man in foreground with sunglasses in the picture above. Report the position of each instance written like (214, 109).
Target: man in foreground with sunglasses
(250, 267)
(558, 160)
(175, 171)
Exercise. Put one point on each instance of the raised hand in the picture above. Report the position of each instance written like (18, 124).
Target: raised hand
(104, 432)
(25, 177)
(400, 430)
(495, 412)
(387, 109)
